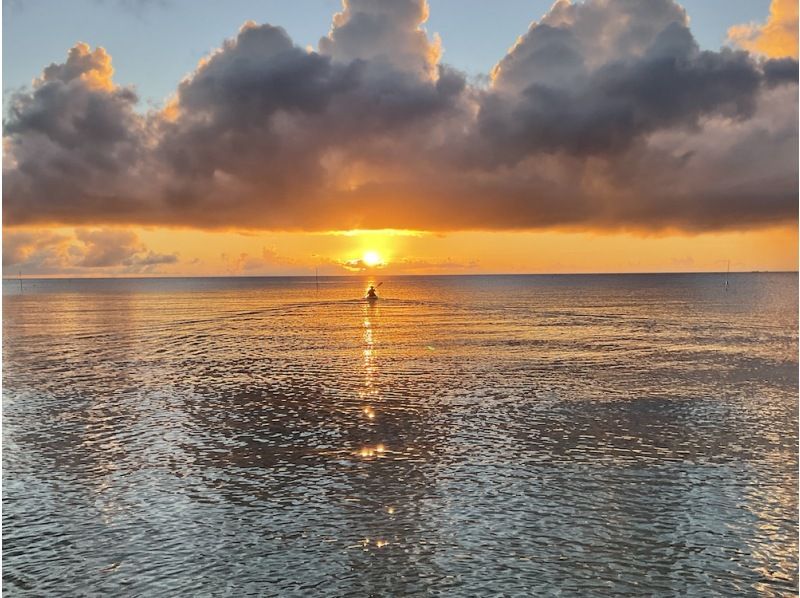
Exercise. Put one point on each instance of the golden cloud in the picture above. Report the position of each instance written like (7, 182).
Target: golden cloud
(776, 38)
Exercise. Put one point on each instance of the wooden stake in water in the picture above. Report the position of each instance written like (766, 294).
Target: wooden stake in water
(19, 276)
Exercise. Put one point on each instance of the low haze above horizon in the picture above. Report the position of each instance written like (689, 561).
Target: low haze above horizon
(170, 138)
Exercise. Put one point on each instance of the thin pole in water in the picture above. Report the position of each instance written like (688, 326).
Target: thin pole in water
(19, 277)
(316, 276)
(727, 275)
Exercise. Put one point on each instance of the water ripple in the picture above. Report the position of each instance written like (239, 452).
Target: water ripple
(462, 436)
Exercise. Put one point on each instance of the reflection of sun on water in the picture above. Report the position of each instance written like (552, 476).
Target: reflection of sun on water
(367, 352)
(369, 393)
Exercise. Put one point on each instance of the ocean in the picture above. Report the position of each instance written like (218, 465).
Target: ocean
(587, 435)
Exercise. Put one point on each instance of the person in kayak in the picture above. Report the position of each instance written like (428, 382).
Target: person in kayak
(371, 294)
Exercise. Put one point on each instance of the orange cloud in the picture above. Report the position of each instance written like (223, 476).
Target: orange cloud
(93, 67)
(776, 38)
(81, 252)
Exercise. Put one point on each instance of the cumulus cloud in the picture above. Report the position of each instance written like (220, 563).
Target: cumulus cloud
(777, 37)
(602, 108)
(72, 143)
(87, 251)
(39, 251)
(384, 32)
(103, 248)
(606, 113)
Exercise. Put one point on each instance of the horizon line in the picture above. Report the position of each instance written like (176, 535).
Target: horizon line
(362, 275)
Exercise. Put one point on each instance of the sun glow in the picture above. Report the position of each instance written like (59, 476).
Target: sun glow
(372, 258)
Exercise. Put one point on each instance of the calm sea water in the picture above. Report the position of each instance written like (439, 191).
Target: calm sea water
(464, 436)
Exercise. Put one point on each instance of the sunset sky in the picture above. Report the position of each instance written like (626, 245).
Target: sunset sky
(169, 137)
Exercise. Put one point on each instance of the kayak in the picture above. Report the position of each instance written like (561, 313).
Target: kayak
(371, 299)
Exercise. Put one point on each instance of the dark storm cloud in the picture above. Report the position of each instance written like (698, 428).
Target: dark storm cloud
(604, 114)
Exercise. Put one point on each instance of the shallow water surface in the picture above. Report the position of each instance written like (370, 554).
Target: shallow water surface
(520, 435)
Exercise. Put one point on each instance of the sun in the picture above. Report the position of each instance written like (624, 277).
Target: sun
(372, 258)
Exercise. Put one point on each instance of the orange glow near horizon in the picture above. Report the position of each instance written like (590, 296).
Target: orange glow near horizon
(203, 253)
